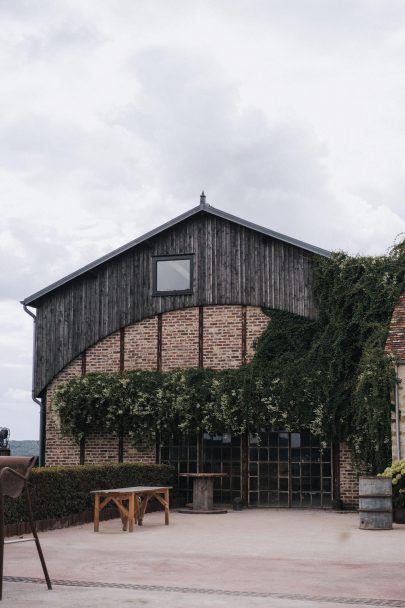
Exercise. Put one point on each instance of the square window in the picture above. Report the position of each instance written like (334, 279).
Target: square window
(172, 274)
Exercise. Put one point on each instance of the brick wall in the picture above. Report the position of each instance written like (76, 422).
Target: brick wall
(104, 357)
(60, 450)
(101, 449)
(396, 345)
(140, 453)
(222, 346)
(396, 334)
(401, 401)
(180, 331)
(348, 479)
(140, 345)
(229, 335)
(256, 323)
(222, 337)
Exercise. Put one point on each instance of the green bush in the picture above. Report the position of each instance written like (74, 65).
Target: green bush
(397, 473)
(60, 491)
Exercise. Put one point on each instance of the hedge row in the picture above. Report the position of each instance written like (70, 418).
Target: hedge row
(61, 491)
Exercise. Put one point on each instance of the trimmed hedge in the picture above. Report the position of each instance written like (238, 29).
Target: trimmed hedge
(62, 491)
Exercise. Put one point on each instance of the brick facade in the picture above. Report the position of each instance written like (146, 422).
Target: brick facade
(212, 336)
(180, 331)
(256, 323)
(348, 479)
(139, 453)
(396, 334)
(60, 450)
(219, 337)
(140, 345)
(104, 357)
(223, 337)
(396, 346)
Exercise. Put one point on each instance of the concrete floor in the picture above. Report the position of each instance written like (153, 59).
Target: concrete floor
(256, 558)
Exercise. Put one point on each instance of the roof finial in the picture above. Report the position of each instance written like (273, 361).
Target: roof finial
(202, 198)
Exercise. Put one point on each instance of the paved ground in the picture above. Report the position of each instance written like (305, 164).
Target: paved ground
(255, 558)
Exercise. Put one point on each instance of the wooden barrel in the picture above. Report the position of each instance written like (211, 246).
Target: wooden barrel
(375, 503)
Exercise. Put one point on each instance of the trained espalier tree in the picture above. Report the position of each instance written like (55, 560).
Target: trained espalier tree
(330, 375)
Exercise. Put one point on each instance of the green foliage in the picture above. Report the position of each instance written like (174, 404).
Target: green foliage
(397, 473)
(329, 376)
(356, 297)
(60, 491)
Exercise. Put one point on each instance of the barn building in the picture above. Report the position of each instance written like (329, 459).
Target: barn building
(188, 294)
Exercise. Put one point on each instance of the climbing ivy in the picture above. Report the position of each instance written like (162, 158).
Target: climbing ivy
(330, 375)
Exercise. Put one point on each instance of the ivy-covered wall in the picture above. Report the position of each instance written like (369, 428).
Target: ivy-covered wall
(330, 376)
(218, 337)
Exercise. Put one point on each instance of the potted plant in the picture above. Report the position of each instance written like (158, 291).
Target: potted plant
(397, 473)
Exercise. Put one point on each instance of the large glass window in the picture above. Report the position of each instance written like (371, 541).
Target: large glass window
(289, 469)
(172, 274)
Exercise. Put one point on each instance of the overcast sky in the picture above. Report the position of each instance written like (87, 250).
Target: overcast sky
(115, 114)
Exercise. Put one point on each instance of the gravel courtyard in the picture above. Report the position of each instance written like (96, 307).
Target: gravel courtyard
(273, 558)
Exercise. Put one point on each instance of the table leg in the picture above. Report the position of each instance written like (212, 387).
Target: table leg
(142, 509)
(164, 501)
(131, 512)
(124, 518)
(96, 512)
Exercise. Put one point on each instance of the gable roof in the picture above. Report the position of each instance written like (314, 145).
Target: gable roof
(201, 208)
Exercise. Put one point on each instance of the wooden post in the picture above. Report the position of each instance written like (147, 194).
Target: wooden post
(96, 512)
(167, 506)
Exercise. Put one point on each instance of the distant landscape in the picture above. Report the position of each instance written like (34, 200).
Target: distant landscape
(28, 447)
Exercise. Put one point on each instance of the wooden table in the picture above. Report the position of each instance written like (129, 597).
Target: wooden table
(203, 492)
(137, 497)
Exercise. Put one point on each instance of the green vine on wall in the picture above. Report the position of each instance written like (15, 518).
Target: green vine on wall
(330, 376)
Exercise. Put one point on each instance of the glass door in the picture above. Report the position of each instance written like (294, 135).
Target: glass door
(289, 470)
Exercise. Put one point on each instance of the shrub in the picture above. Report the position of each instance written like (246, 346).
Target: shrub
(397, 473)
(60, 491)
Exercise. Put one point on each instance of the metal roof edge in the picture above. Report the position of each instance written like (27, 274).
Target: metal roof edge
(268, 232)
(105, 258)
(31, 300)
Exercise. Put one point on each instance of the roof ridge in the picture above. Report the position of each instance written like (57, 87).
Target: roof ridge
(202, 207)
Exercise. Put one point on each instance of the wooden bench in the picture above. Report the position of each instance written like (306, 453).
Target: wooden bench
(137, 497)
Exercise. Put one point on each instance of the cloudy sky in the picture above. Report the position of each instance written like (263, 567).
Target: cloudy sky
(115, 114)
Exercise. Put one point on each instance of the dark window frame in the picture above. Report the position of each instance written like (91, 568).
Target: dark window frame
(168, 258)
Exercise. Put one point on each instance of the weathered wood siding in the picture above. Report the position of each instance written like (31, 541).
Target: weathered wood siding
(233, 265)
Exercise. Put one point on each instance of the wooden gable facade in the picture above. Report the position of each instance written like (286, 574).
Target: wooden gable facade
(235, 262)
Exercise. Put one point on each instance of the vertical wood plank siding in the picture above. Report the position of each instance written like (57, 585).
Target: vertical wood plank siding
(233, 265)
